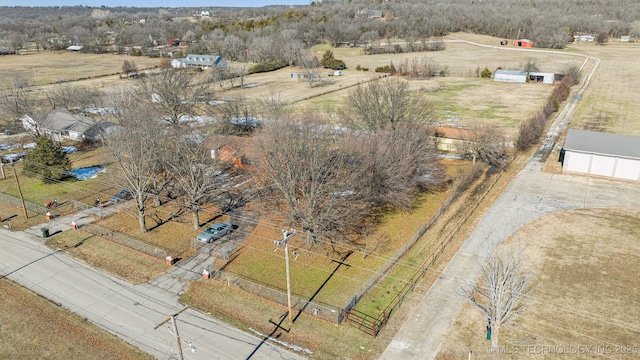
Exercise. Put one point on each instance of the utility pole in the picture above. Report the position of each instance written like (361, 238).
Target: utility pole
(175, 331)
(285, 240)
(19, 191)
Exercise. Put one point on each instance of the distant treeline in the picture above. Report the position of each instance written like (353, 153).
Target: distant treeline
(280, 33)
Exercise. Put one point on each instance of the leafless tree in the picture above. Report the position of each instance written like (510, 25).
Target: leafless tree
(16, 100)
(573, 72)
(193, 169)
(487, 142)
(397, 163)
(172, 94)
(602, 37)
(274, 106)
(69, 96)
(500, 293)
(129, 67)
(310, 179)
(137, 150)
(530, 65)
(309, 64)
(381, 104)
(236, 114)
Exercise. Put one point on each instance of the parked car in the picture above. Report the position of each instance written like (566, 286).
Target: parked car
(123, 195)
(215, 231)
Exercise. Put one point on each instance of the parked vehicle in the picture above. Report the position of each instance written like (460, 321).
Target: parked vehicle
(123, 195)
(215, 231)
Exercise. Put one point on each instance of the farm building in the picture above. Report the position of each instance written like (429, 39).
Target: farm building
(601, 154)
(546, 78)
(583, 38)
(524, 43)
(453, 140)
(203, 61)
(513, 76)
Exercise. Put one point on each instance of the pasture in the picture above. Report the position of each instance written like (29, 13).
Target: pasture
(585, 291)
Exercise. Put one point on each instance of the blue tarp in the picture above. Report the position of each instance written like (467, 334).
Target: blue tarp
(87, 172)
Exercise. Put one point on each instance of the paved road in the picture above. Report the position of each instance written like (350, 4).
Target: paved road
(128, 311)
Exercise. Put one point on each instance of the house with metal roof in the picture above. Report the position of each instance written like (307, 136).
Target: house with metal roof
(203, 61)
(601, 154)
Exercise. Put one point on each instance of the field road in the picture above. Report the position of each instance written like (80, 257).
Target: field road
(532, 194)
(128, 311)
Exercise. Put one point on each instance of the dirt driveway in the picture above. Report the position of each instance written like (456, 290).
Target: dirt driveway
(532, 194)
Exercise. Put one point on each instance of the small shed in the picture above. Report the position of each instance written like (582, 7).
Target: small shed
(524, 43)
(513, 76)
(601, 154)
(75, 48)
(546, 78)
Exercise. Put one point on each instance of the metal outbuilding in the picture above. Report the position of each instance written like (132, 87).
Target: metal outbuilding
(601, 154)
(513, 76)
(546, 78)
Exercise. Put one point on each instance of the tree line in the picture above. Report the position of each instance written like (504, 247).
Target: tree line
(274, 33)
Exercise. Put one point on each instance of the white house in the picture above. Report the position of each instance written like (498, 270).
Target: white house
(62, 125)
(203, 61)
(514, 76)
(601, 154)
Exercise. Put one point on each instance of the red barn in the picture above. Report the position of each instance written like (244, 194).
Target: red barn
(524, 43)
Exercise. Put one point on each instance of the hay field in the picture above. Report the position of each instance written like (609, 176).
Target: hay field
(585, 265)
(612, 100)
(46, 67)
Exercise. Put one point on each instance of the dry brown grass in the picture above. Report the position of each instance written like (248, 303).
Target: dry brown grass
(247, 311)
(51, 67)
(584, 263)
(34, 328)
(102, 253)
(613, 92)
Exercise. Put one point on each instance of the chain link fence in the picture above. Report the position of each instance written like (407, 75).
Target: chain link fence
(130, 242)
(38, 209)
(314, 308)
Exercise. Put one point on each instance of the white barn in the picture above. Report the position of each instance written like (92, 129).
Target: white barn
(513, 76)
(601, 154)
(546, 78)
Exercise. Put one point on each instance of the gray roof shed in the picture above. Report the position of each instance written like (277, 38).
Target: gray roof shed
(603, 143)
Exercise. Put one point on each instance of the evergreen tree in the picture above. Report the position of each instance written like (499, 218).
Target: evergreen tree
(47, 161)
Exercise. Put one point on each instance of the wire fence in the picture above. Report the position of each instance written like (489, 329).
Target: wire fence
(372, 325)
(393, 260)
(34, 208)
(130, 242)
(316, 309)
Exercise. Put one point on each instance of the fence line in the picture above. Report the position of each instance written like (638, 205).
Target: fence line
(314, 308)
(393, 260)
(35, 208)
(130, 242)
(375, 324)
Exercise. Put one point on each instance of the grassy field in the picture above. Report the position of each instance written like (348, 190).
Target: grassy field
(47, 67)
(585, 293)
(611, 102)
(34, 328)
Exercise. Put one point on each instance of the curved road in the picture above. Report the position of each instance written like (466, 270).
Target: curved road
(530, 195)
